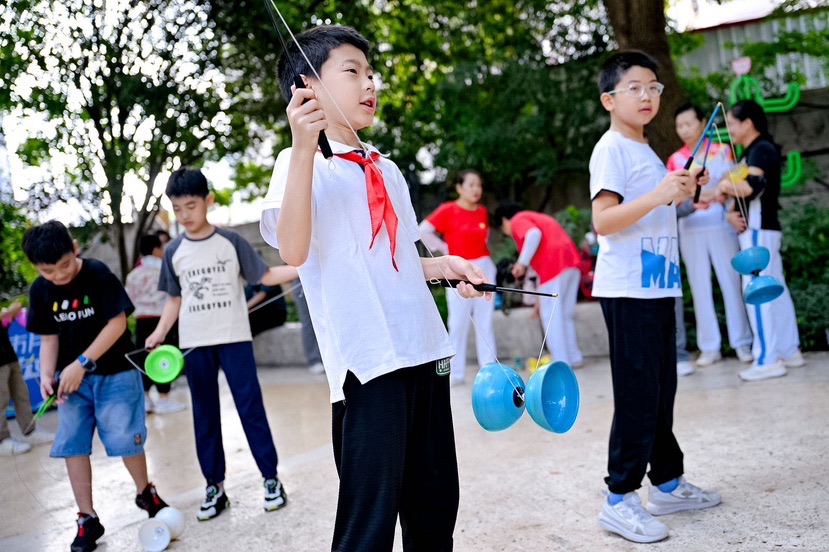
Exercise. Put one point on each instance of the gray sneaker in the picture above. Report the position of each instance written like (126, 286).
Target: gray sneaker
(10, 447)
(630, 520)
(684, 497)
(39, 437)
(759, 372)
(744, 354)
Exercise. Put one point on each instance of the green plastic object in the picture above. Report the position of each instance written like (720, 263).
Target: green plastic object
(794, 170)
(44, 406)
(748, 88)
(164, 364)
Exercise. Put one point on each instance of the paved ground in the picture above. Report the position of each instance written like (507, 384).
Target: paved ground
(763, 445)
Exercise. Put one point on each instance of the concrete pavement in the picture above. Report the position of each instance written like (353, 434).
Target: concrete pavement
(763, 445)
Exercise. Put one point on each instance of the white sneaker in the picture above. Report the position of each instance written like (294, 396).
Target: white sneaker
(684, 368)
(684, 497)
(168, 406)
(317, 368)
(707, 358)
(744, 354)
(766, 371)
(630, 520)
(795, 361)
(148, 405)
(10, 447)
(39, 437)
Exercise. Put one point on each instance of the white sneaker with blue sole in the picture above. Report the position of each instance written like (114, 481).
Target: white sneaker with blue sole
(630, 520)
(684, 497)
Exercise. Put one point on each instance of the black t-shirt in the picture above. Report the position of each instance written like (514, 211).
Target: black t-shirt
(78, 311)
(7, 354)
(764, 154)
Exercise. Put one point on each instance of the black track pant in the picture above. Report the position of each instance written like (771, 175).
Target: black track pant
(394, 446)
(642, 335)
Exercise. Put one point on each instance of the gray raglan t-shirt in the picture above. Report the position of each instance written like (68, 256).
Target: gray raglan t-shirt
(207, 274)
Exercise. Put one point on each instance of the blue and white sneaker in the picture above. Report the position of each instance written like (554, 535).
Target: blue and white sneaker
(684, 497)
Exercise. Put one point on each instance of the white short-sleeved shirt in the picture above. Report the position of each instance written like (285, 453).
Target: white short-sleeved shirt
(369, 319)
(207, 274)
(641, 261)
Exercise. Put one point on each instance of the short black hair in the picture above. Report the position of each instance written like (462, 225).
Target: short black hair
(187, 182)
(317, 44)
(688, 106)
(148, 244)
(162, 232)
(749, 109)
(47, 243)
(461, 176)
(505, 210)
(618, 64)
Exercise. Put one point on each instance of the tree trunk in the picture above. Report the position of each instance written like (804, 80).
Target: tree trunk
(145, 216)
(116, 193)
(640, 25)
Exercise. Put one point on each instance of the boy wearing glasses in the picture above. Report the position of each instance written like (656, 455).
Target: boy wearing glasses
(636, 281)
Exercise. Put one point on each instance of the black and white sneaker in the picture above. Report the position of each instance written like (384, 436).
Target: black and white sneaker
(214, 504)
(149, 500)
(275, 497)
(89, 531)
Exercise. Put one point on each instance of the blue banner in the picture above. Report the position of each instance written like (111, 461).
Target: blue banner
(27, 347)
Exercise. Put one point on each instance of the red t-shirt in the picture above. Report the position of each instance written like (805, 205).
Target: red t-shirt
(465, 232)
(557, 250)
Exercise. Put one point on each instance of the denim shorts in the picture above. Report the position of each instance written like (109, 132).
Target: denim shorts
(115, 404)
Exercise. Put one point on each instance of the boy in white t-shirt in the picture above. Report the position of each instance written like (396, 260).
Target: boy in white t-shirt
(202, 273)
(636, 281)
(349, 226)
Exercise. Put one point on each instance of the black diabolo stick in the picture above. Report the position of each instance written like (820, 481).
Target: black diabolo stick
(489, 287)
(325, 147)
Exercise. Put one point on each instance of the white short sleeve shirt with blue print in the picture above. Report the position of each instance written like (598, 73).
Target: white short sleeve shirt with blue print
(641, 261)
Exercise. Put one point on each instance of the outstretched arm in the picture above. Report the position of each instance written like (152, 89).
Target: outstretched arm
(277, 275)
(429, 237)
(168, 317)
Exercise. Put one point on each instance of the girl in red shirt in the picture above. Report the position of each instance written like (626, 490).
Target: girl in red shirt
(461, 227)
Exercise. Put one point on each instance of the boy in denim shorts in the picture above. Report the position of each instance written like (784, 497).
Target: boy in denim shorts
(80, 310)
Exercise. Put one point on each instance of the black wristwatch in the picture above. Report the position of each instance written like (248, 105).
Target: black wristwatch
(88, 364)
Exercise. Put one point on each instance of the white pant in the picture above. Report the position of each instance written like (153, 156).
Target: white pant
(561, 337)
(700, 250)
(479, 309)
(774, 323)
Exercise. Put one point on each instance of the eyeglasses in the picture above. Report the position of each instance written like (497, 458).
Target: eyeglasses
(636, 89)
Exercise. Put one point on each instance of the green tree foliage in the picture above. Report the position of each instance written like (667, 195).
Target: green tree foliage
(806, 258)
(125, 89)
(484, 86)
(15, 270)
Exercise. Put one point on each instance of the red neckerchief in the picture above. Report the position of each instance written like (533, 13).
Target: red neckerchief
(380, 207)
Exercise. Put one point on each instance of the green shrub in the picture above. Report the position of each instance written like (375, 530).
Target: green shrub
(576, 222)
(805, 253)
